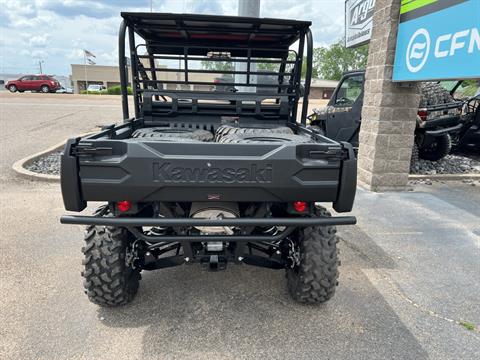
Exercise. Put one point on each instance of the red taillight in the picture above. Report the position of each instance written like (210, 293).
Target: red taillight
(300, 206)
(124, 205)
(423, 114)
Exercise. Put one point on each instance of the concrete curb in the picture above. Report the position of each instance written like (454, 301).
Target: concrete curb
(445, 177)
(19, 166)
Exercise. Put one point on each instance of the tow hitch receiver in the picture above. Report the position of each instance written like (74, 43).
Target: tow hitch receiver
(214, 262)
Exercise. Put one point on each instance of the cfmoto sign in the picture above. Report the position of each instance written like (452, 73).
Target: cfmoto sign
(417, 50)
(439, 40)
(466, 40)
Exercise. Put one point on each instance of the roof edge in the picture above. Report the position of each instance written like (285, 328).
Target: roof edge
(219, 18)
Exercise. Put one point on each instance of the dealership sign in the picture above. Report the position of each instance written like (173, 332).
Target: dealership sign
(358, 21)
(438, 39)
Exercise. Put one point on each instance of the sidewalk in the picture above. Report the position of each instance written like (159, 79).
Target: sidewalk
(421, 251)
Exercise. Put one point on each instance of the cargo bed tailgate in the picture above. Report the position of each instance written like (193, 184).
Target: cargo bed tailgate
(113, 170)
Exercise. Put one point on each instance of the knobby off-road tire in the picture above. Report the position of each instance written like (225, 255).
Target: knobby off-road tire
(437, 150)
(314, 280)
(432, 93)
(225, 130)
(264, 138)
(108, 280)
(414, 157)
(186, 133)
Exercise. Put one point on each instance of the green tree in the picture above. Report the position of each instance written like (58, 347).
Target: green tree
(331, 62)
(261, 66)
(291, 57)
(304, 69)
(217, 65)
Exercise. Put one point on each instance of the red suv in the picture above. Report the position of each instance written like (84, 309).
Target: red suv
(43, 83)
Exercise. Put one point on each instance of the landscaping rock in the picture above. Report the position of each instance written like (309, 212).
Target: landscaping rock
(49, 164)
(450, 164)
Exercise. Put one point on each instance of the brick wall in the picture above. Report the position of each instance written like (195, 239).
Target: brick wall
(389, 109)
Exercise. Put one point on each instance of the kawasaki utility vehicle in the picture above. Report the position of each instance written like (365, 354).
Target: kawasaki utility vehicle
(206, 175)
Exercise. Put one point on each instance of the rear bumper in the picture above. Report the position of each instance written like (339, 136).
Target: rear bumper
(133, 224)
(442, 131)
(445, 122)
(127, 222)
(245, 235)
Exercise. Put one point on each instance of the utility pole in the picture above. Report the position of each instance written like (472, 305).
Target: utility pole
(85, 68)
(40, 66)
(250, 8)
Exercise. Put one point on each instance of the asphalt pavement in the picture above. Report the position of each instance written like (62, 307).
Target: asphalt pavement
(409, 284)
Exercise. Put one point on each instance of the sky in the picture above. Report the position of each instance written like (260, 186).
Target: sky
(56, 31)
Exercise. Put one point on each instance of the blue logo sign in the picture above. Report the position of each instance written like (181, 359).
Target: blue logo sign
(439, 41)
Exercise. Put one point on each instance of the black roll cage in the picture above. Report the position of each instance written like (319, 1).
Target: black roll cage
(186, 38)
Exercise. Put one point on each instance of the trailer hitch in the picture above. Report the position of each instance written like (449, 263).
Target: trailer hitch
(214, 262)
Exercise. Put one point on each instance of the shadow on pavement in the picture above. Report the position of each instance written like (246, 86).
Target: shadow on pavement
(372, 255)
(246, 312)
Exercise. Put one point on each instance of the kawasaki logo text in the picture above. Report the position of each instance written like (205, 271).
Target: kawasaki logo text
(177, 174)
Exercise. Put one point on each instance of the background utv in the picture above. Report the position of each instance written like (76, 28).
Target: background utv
(443, 120)
(203, 174)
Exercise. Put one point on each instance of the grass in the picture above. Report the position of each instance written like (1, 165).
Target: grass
(467, 325)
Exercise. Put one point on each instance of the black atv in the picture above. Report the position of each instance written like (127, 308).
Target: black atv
(437, 121)
(205, 175)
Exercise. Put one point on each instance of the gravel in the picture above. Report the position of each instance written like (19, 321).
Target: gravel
(49, 164)
(450, 164)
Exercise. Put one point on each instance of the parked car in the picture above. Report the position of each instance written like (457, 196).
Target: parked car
(224, 79)
(95, 88)
(42, 83)
(65, 90)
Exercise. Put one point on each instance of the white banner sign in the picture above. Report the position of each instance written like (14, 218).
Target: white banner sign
(358, 21)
